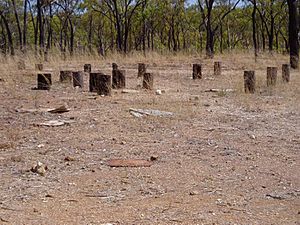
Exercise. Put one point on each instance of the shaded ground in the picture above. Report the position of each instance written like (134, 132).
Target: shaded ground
(223, 158)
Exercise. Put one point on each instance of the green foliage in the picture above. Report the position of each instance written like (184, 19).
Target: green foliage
(173, 25)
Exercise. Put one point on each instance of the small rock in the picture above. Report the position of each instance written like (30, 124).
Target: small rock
(49, 196)
(158, 92)
(252, 137)
(39, 168)
(153, 158)
(69, 159)
(194, 193)
(41, 146)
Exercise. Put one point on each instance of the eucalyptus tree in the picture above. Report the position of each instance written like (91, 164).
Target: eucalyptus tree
(120, 13)
(212, 21)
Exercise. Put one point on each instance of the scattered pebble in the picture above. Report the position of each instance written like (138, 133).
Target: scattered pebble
(39, 168)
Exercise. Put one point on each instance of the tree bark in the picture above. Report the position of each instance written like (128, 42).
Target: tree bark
(293, 33)
(18, 23)
(9, 35)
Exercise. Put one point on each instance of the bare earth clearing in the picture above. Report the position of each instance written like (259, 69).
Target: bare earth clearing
(223, 158)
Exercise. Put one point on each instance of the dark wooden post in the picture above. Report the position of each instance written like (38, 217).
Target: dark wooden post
(249, 81)
(271, 76)
(21, 65)
(87, 68)
(118, 79)
(148, 80)
(100, 83)
(93, 81)
(104, 85)
(197, 73)
(217, 68)
(39, 67)
(78, 79)
(141, 69)
(115, 66)
(44, 81)
(65, 76)
(286, 73)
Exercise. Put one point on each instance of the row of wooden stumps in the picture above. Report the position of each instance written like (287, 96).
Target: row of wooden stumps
(250, 79)
(249, 76)
(98, 82)
(197, 70)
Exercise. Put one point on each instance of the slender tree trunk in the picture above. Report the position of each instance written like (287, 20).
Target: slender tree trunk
(271, 34)
(209, 35)
(90, 34)
(41, 25)
(254, 29)
(3, 39)
(221, 37)
(25, 25)
(72, 37)
(18, 24)
(293, 33)
(9, 35)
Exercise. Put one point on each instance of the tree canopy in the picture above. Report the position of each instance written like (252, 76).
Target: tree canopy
(102, 26)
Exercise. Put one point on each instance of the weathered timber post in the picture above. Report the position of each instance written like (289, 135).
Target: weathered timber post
(271, 76)
(78, 79)
(39, 66)
(286, 73)
(249, 81)
(87, 68)
(114, 66)
(197, 71)
(104, 85)
(65, 76)
(217, 68)
(100, 83)
(141, 69)
(21, 65)
(93, 81)
(44, 81)
(148, 80)
(118, 79)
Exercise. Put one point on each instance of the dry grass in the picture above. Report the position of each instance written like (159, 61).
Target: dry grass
(219, 157)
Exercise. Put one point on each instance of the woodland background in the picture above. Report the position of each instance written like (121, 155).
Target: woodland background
(107, 26)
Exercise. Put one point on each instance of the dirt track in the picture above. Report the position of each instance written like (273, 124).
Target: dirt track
(223, 158)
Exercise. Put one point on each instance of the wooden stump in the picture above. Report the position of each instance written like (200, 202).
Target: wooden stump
(78, 79)
(294, 60)
(39, 67)
(286, 73)
(197, 71)
(44, 81)
(148, 79)
(104, 85)
(115, 66)
(249, 81)
(271, 76)
(217, 68)
(93, 81)
(100, 83)
(87, 68)
(141, 69)
(65, 76)
(118, 79)
(21, 65)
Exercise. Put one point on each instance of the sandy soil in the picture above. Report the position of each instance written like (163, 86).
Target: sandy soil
(222, 158)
